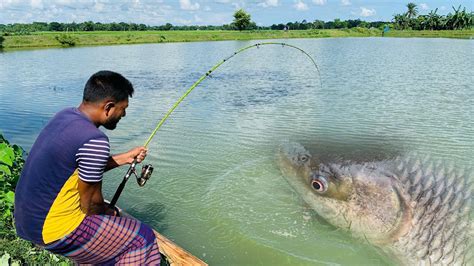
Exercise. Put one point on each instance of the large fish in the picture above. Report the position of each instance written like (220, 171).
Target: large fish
(417, 211)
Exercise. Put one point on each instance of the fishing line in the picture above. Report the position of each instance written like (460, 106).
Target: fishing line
(257, 45)
(148, 169)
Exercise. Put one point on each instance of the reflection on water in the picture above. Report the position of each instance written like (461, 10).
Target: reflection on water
(216, 189)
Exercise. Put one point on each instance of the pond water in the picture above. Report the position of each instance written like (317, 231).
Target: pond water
(216, 189)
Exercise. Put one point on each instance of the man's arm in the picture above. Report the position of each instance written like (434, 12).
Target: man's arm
(126, 158)
(92, 164)
(92, 201)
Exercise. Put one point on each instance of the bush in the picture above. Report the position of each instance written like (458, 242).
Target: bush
(361, 30)
(21, 252)
(11, 163)
(66, 39)
(14, 250)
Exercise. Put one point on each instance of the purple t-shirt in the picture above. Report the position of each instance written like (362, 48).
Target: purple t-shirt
(69, 148)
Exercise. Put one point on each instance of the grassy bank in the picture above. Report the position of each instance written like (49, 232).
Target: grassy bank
(55, 39)
(457, 34)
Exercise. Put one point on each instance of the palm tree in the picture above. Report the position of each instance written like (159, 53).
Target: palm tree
(412, 11)
(411, 14)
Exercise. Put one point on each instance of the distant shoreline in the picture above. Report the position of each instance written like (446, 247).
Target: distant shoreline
(95, 38)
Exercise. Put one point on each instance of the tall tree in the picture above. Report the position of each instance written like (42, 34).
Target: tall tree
(87, 26)
(55, 26)
(241, 20)
(412, 11)
(411, 15)
(318, 24)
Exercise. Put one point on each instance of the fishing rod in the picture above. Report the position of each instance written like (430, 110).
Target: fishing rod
(147, 170)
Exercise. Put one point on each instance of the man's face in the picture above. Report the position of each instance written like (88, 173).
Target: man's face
(116, 112)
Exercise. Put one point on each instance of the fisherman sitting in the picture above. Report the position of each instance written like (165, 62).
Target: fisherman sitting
(58, 201)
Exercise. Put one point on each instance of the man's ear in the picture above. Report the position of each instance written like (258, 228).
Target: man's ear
(108, 107)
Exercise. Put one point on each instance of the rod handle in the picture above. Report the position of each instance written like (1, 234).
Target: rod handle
(130, 171)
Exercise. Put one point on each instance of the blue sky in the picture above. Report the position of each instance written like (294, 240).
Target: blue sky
(208, 12)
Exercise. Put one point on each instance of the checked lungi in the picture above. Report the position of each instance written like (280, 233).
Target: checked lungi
(108, 240)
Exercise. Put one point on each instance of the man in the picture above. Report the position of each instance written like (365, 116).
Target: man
(58, 200)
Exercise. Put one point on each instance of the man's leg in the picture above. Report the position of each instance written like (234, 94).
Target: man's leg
(109, 239)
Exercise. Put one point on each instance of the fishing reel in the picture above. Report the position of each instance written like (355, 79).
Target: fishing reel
(147, 170)
(145, 174)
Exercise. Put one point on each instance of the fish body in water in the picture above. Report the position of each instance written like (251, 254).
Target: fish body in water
(417, 211)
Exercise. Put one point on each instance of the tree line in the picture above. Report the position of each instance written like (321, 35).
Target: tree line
(460, 19)
(27, 28)
(122, 26)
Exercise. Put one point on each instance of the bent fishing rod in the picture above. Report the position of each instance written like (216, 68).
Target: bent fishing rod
(147, 170)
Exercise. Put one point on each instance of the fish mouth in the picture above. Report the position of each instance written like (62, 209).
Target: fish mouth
(293, 155)
(292, 160)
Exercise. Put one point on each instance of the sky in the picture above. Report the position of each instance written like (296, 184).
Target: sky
(211, 12)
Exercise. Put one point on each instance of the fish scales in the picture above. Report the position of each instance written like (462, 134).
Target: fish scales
(439, 198)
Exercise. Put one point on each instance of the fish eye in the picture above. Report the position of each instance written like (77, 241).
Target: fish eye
(319, 184)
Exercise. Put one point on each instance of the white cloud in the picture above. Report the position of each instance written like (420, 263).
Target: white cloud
(365, 12)
(319, 2)
(64, 2)
(424, 6)
(136, 3)
(238, 5)
(300, 6)
(8, 3)
(269, 3)
(187, 5)
(99, 7)
(346, 2)
(37, 4)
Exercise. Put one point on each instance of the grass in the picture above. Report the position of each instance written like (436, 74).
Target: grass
(55, 39)
(457, 34)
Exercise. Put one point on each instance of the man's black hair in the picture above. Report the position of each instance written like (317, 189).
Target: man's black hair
(107, 85)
